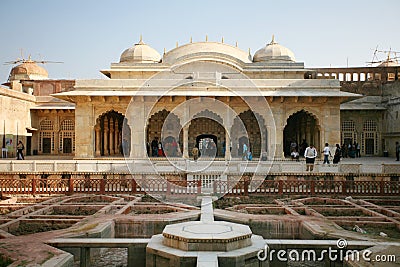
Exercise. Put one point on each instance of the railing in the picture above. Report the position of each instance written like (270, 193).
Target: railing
(219, 167)
(181, 187)
(307, 187)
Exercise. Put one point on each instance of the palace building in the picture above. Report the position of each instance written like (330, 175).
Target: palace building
(197, 94)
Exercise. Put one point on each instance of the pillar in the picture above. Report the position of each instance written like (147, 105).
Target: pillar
(56, 139)
(106, 136)
(84, 130)
(264, 137)
(136, 120)
(278, 138)
(112, 147)
(227, 145)
(186, 141)
(98, 141)
(116, 138)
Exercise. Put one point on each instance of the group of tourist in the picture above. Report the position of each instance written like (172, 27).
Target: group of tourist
(207, 147)
(156, 148)
(351, 150)
(310, 153)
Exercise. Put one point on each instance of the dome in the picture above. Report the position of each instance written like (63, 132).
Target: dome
(206, 50)
(274, 52)
(140, 53)
(28, 70)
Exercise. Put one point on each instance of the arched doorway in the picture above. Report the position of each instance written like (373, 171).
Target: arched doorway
(168, 133)
(108, 137)
(303, 128)
(206, 128)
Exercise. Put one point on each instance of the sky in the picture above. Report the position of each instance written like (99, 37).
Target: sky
(89, 35)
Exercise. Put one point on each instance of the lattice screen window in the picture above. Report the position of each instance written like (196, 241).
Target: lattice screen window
(46, 125)
(348, 130)
(347, 135)
(67, 125)
(348, 126)
(369, 126)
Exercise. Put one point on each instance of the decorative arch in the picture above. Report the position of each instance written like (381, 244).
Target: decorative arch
(100, 112)
(209, 114)
(108, 134)
(303, 128)
(156, 129)
(308, 111)
(255, 136)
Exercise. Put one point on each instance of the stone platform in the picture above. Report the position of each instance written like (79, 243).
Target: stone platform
(199, 236)
(185, 244)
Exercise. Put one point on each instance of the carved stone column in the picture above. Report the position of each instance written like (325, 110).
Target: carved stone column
(227, 146)
(112, 147)
(106, 136)
(186, 141)
(97, 129)
(264, 136)
(116, 138)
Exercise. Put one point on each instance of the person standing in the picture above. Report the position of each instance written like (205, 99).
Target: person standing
(245, 156)
(293, 146)
(327, 153)
(303, 146)
(358, 150)
(195, 152)
(397, 151)
(154, 147)
(223, 148)
(160, 150)
(338, 153)
(20, 148)
(310, 154)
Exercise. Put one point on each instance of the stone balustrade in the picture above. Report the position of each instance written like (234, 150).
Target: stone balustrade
(186, 166)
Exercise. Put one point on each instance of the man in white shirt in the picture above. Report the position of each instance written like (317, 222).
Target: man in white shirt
(327, 153)
(310, 154)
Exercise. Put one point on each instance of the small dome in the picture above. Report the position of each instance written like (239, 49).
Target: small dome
(28, 70)
(140, 53)
(274, 52)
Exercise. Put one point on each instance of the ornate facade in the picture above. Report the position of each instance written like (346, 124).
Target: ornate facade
(198, 93)
(209, 90)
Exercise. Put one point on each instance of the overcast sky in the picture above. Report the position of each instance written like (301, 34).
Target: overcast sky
(89, 35)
